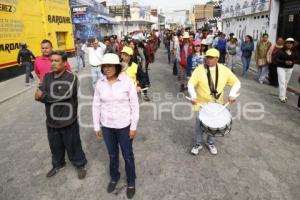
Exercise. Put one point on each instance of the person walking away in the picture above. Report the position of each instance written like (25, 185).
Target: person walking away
(262, 48)
(115, 117)
(95, 53)
(247, 47)
(271, 60)
(221, 46)
(59, 94)
(202, 89)
(42, 64)
(24, 58)
(286, 58)
(79, 54)
(231, 49)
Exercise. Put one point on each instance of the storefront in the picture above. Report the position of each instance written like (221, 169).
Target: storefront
(90, 22)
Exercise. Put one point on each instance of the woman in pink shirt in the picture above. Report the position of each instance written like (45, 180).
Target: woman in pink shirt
(115, 117)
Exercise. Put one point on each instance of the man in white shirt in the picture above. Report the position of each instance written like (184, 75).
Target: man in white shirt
(95, 53)
(210, 38)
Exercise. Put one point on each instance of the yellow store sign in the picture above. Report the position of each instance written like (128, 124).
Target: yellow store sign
(31, 21)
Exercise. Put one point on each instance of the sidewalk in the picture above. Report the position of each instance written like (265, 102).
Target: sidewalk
(293, 86)
(16, 86)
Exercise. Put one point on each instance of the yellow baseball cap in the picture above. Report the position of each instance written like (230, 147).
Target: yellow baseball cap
(212, 53)
(127, 50)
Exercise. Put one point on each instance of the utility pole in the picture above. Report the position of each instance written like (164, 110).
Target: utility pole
(123, 15)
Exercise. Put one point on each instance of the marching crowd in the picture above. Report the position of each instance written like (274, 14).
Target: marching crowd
(274, 62)
(119, 71)
(204, 63)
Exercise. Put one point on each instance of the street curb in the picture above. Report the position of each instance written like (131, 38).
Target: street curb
(16, 94)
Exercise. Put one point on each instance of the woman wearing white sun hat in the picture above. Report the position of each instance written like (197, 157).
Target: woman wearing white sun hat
(115, 116)
(286, 58)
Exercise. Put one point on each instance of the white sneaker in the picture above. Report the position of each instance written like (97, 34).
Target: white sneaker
(195, 150)
(212, 148)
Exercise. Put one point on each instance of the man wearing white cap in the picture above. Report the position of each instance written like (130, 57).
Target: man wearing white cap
(186, 48)
(207, 85)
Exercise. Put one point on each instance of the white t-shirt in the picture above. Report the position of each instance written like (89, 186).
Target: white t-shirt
(95, 55)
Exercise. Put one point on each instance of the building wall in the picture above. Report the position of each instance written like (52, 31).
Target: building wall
(177, 16)
(252, 17)
(203, 11)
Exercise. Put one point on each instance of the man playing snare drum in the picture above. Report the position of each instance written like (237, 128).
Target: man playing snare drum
(207, 84)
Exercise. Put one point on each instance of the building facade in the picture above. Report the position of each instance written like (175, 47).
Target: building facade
(249, 17)
(136, 18)
(177, 19)
(91, 19)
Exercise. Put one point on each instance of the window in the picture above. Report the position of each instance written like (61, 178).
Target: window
(254, 17)
(262, 16)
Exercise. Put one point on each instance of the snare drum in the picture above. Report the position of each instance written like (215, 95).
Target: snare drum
(215, 124)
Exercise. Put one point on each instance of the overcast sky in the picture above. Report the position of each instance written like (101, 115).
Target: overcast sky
(164, 4)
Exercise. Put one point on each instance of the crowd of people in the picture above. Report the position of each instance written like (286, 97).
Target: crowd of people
(203, 62)
(274, 63)
(119, 71)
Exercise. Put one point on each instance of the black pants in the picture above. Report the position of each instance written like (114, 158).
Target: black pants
(273, 76)
(113, 138)
(222, 57)
(66, 139)
(145, 79)
(175, 71)
(299, 102)
(28, 68)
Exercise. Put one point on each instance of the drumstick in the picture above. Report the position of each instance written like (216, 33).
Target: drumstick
(146, 88)
(190, 99)
(224, 106)
(216, 113)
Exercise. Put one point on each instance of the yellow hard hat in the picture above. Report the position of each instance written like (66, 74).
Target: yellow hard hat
(127, 50)
(212, 53)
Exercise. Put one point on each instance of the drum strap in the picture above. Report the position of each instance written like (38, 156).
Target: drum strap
(213, 87)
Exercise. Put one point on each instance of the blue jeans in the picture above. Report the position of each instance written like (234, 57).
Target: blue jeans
(246, 64)
(28, 68)
(113, 138)
(199, 132)
(96, 75)
(80, 59)
(169, 53)
(263, 72)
